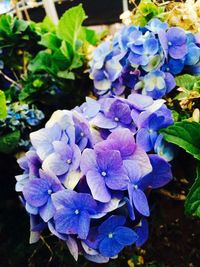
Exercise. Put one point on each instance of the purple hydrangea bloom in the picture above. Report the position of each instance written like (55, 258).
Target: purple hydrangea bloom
(104, 171)
(74, 212)
(38, 194)
(89, 164)
(63, 160)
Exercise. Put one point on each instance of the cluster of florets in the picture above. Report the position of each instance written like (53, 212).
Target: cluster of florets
(87, 174)
(20, 116)
(145, 59)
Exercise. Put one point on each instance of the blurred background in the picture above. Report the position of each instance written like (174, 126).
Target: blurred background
(98, 11)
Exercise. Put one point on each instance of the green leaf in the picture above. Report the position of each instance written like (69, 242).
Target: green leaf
(187, 81)
(47, 25)
(50, 40)
(66, 75)
(91, 36)
(3, 112)
(185, 135)
(70, 24)
(59, 61)
(9, 142)
(42, 62)
(192, 204)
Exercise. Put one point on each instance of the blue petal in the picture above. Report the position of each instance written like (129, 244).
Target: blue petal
(109, 247)
(142, 232)
(140, 202)
(151, 46)
(66, 221)
(111, 223)
(84, 225)
(159, 176)
(125, 236)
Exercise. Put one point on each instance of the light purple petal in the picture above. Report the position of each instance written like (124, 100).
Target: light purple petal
(73, 247)
(117, 180)
(36, 192)
(123, 140)
(66, 222)
(176, 36)
(141, 158)
(102, 122)
(140, 202)
(88, 160)
(140, 102)
(178, 52)
(47, 211)
(97, 186)
(55, 164)
(143, 139)
(133, 170)
(108, 160)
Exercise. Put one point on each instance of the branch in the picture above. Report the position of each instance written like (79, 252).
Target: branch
(179, 197)
(9, 79)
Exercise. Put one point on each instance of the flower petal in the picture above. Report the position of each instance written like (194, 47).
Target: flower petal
(109, 247)
(84, 225)
(140, 202)
(47, 211)
(125, 236)
(111, 223)
(36, 192)
(97, 186)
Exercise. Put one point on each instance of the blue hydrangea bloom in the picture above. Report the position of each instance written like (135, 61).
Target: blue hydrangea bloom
(136, 52)
(74, 212)
(89, 164)
(174, 42)
(164, 149)
(157, 84)
(114, 236)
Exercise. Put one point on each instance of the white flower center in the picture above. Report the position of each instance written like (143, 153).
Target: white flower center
(135, 186)
(69, 161)
(103, 174)
(82, 134)
(50, 191)
(169, 43)
(116, 119)
(110, 235)
(77, 212)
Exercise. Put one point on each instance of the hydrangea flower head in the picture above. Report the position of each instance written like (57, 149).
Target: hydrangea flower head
(87, 172)
(153, 54)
